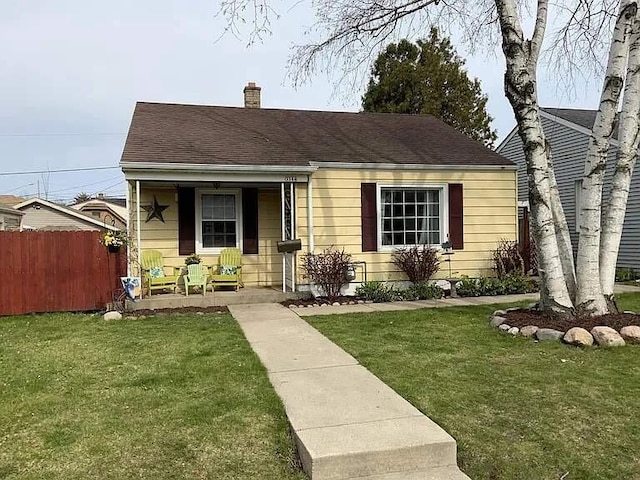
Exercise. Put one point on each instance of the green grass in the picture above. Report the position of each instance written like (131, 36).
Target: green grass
(165, 397)
(518, 409)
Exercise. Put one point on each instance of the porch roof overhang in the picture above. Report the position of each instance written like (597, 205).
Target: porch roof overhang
(188, 172)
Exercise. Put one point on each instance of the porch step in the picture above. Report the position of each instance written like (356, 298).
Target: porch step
(346, 422)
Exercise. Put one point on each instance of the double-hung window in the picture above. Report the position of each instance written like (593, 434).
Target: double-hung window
(218, 220)
(412, 216)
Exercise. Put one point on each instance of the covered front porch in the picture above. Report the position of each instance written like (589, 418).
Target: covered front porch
(179, 212)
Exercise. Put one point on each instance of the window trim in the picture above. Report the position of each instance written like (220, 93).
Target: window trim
(444, 211)
(221, 191)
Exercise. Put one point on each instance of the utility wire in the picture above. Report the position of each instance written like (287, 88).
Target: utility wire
(63, 170)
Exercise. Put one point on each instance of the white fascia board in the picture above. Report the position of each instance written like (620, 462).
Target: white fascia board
(574, 126)
(507, 139)
(177, 172)
(409, 166)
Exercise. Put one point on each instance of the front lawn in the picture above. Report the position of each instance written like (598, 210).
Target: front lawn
(518, 409)
(165, 397)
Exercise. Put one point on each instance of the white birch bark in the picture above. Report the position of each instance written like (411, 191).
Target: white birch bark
(628, 139)
(563, 235)
(520, 87)
(590, 299)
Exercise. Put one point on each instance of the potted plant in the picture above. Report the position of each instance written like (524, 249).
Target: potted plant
(113, 240)
(192, 259)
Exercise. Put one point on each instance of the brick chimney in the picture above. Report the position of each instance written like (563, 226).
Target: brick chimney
(252, 95)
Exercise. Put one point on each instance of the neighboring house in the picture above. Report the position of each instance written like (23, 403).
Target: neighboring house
(568, 131)
(40, 214)
(112, 211)
(10, 219)
(366, 182)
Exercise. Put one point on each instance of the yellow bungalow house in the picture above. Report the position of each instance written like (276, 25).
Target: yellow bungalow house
(202, 178)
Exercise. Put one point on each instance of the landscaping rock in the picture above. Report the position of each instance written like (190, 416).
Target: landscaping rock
(497, 320)
(323, 304)
(499, 313)
(504, 327)
(607, 337)
(629, 312)
(443, 284)
(513, 331)
(360, 302)
(528, 331)
(129, 317)
(336, 304)
(112, 316)
(549, 335)
(630, 334)
(293, 305)
(579, 337)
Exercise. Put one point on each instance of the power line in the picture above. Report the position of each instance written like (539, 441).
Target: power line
(61, 134)
(64, 170)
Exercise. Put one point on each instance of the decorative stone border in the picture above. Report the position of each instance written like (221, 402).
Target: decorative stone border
(602, 336)
(326, 304)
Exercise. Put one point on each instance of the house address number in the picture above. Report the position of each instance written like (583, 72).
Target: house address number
(290, 179)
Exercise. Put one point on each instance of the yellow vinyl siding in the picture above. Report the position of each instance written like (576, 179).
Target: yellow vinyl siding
(263, 269)
(490, 214)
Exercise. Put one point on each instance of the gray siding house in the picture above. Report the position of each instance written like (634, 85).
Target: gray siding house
(568, 132)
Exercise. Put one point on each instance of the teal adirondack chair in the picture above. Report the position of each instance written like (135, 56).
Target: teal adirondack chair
(197, 276)
(229, 270)
(153, 271)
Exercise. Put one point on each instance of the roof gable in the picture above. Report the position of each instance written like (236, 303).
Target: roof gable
(63, 210)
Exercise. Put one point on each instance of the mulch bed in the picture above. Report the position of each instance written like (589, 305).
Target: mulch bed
(173, 311)
(522, 318)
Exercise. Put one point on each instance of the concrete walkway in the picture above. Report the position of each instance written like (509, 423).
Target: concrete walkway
(413, 305)
(347, 424)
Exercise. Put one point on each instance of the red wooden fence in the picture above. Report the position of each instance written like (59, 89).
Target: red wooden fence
(57, 271)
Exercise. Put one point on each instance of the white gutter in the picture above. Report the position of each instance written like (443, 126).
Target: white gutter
(190, 167)
(408, 166)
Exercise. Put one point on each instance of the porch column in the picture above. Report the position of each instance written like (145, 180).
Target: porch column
(128, 205)
(138, 228)
(283, 228)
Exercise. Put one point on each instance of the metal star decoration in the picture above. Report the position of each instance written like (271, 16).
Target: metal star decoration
(154, 210)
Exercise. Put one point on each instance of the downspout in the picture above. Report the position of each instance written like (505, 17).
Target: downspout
(282, 226)
(310, 214)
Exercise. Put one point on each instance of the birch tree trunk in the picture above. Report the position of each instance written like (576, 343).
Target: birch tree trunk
(590, 299)
(520, 87)
(628, 139)
(563, 236)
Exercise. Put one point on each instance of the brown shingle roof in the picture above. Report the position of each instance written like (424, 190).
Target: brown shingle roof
(195, 134)
(10, 200)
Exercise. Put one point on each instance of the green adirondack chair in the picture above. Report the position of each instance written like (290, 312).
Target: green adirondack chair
(229, 270)
(154, 275)
(197, 276)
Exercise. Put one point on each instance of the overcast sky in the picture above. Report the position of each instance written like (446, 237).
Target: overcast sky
(72, 71)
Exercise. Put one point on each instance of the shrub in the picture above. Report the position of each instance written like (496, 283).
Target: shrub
(192, 259)
(378, 292)
(375, 291)
(426, 291)
(419, 262)
(625, 275)
(510, 284)
(507, 259)
(327, 270)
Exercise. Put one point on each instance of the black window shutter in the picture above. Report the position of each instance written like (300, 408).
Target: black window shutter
(369, 217)
(456, 216)
(186, 221)
(250, 220)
